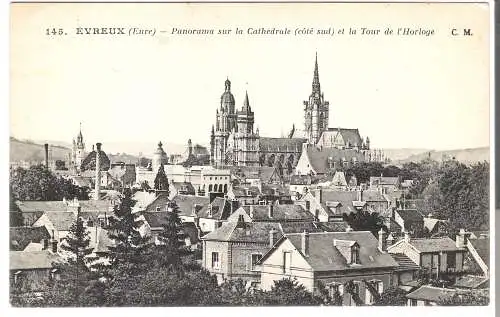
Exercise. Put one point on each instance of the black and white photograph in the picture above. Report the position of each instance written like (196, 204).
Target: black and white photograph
(250, 154)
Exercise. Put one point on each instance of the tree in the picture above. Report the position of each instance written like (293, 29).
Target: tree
(289, 292)
(364, 170)
(466, 298)
(76, 284)
(393, 296)
(38, 183)
(172, 245)
(365, 221)
(161, 180)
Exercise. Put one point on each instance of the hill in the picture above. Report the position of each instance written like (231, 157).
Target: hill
(463, 155)
(28, 150)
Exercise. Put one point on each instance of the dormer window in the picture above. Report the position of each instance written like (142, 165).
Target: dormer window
(355, 254)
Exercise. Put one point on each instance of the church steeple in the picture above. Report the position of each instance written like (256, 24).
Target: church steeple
(315, 83)
(246, 104)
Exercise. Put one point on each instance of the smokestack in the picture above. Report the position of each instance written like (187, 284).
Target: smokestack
(305, 243)
(98, 172)
(46, 155)
(271, 210)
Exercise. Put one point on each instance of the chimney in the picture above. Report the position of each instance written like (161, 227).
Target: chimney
(54, 246)
(273, 234)
(348, 229)
(98, 172)
(305, 243)
(360, 195)
(318, 194)
(241, 222)
(45, 244)
(407, 236)
(382, 243)
(46, 155)
(390, 240)
(461, 239)
(271, 210)
(251, 212)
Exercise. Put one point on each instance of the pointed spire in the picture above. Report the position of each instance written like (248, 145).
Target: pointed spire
(246, 103)
(315, 83)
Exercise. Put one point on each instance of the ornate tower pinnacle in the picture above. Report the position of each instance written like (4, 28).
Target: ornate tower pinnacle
(315, 83)
(246, 103)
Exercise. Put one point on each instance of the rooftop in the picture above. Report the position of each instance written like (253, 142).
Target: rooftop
(20, 260)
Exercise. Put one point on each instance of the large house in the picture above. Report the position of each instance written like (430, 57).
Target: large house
(333, 258)
(436, 255)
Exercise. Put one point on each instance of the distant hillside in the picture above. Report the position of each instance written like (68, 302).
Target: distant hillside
(30, 151)
(401, 154)
(463, 155)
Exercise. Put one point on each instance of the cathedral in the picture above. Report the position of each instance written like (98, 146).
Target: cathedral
(233, 141)
(78, 153)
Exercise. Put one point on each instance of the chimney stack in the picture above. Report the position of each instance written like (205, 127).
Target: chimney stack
(98, 172)
(348, 229)
(54, 246)
(407, 236)
(46, 146)
(390, 240)
(271, 210)
(461, 239)
(360, 195)
(273, 233)
(251, 211)
(241, 222)
(305, 243)
(382, 243)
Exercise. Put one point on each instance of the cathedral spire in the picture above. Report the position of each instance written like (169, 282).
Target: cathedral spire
(246, 103)
(315, 83)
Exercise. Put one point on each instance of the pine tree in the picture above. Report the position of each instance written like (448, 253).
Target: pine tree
(172, 247)
(161, 180)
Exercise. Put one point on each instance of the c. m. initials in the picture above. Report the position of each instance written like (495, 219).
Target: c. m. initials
(465, 32)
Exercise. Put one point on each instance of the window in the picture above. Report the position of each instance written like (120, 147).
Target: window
(90, 223)
(355, 255)
(158, 208)
(451, 260)
(215, 261)
(334, 289)
(378, 286)
(287, 259)
(254, 259)
(413, 302)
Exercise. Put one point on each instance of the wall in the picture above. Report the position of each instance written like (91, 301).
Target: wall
(207, 225)
(303, 165)
(241, 260)
(272, 268)
(223, 249)
(406, 249)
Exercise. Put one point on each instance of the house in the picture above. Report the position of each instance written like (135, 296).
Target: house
(209, 218)
(385, 184)
(435, 227)
(32, 270)
(190, 206)
(300, 184)
(334, 259)
(181, 188)
(472, 282)
(410, 220)
(57, 223)
(273, 213)
(233, 250)
(318, 160)
(330, 205)
(65, 205)
(406, 272)
(123, 173)
(143, 199)
(29, 238)
(436, 255)
(428, 295)
(275, 193)
(246, 195)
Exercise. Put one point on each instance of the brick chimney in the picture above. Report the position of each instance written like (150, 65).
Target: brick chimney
(273, 234)
(270, 210)
(46, 146)
(98, 172)
(305, 243)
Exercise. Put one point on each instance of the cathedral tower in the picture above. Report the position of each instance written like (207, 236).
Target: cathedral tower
(224, 125)
(316, 110)
(246, 142)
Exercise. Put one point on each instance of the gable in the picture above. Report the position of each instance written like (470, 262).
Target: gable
(275, 255)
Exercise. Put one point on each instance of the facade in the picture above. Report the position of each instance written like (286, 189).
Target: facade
(334, 259)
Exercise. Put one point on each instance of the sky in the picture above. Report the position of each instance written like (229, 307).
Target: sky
(401, 91)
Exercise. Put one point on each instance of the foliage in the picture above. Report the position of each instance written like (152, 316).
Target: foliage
(349, 287)
(161, 180)
(364, 170)
(393, 296)
(466, 298)
(38, 183)
(145, 186)
(172, 240)
(365, 221)
(61, 165)
(287, 292)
